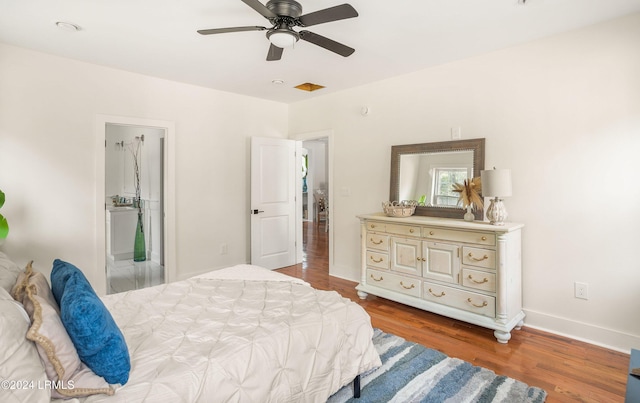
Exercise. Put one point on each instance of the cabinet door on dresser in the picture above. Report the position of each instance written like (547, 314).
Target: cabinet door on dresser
(406, 255)
(442, 261)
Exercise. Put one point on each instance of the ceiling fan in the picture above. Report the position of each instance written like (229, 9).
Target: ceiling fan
(286, 14)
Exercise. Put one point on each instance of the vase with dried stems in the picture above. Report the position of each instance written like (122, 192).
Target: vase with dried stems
(139, 244)
(469, 198)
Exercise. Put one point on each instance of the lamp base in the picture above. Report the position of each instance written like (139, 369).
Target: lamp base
(496, 213)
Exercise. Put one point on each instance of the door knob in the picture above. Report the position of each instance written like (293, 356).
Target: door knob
(256, 211)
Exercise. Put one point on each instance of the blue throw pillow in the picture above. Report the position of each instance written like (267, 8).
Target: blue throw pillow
(97, 338)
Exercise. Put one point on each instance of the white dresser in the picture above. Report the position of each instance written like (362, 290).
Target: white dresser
(470, 271)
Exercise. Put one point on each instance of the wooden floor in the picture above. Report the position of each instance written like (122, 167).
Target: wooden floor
(569, 370)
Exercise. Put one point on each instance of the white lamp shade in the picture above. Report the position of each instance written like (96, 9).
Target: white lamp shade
(496, 182)
(282, 39)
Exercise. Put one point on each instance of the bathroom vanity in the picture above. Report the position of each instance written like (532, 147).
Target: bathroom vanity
(121, 229)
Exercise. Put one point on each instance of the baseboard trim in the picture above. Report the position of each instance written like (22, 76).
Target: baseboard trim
(341, 271)
(599, 336)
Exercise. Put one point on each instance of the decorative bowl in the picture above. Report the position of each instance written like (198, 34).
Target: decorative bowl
(405, 208)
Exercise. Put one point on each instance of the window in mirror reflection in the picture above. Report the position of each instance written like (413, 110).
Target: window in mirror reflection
(445, 178)
(429, 177)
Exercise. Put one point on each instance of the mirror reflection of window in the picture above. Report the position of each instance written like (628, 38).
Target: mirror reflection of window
(413, 174)
(445, 178)
(429, 177)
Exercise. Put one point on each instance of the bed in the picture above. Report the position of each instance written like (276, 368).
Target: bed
(240, 334)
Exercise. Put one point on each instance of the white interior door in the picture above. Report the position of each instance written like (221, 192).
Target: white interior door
(273, 202)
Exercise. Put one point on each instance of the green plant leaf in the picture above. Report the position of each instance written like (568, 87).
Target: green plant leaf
(1, 198)
(4, 227)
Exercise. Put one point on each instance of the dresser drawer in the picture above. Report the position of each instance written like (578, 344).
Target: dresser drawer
(377, 241)
(479, 257)
(376, 226)
(408, 230)
(403, 284)
(377, 259)
(461, 299)
(480, 280)
(480, 238)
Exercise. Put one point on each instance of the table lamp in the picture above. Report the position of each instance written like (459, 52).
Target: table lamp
(496, 183)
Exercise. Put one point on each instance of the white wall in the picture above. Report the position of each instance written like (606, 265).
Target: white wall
(563, 113)
(48, 109)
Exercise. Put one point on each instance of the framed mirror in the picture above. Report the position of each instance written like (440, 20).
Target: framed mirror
(426, 173)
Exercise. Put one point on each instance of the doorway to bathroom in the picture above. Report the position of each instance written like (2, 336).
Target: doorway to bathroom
(134, 206)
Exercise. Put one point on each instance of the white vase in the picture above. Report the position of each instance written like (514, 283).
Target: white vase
(468, 216)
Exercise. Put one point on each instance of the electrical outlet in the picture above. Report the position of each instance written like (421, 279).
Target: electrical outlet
(224, 249)
(456, 133)
(581, 290)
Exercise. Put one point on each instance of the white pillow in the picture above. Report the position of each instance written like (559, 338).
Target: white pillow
(4, 295)
(56, 350)
(9, 272)
(21, 371)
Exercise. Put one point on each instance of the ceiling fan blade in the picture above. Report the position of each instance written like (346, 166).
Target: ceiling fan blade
(275, 53)
(261, 8)
(326, 43)
(336, 13)
(232, 29)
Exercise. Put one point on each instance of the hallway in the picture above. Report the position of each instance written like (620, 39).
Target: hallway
(315, 246)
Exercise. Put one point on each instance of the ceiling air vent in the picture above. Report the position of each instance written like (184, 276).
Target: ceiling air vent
(309, 87)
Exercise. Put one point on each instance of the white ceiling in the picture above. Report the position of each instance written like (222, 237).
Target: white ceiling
(158, 37)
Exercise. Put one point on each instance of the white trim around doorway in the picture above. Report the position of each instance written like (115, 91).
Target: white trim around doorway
(169, 194)
(328, 134)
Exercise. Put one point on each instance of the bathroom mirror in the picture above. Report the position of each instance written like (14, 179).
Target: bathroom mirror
(426, 172)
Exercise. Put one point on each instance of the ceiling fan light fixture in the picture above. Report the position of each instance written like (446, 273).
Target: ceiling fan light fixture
(283, 38)
(287, 14)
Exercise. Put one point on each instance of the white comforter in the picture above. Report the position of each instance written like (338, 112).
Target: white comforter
(243, 334)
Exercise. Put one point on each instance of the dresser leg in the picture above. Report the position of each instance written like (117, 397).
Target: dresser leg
(519, 325)
(503, 337)
(362, 294)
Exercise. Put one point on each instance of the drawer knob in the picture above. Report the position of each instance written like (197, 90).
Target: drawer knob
(376, 242)
(408, 288)
(484, 280)
(431, 232)
(421, 259)
(377, 279)
(484, 238)
(484, 303)
(485, 257)
(442, 294)
(376, 261)
(372, 226)
(411, 230)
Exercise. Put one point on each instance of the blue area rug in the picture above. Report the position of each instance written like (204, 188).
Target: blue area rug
(411, 372)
